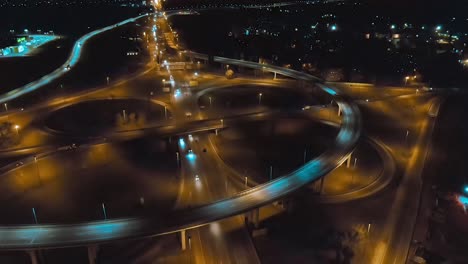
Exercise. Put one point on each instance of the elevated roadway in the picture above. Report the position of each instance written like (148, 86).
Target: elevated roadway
(58, 235)
(72, 60)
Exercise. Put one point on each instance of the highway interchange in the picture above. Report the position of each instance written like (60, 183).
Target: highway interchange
(198, 212)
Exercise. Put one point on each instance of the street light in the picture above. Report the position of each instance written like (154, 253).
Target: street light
(104, 211)
(16, 128)
(260, 98)
(406, 79)
(37, 170)
(34, 215)
(406, 137)
(465, 189)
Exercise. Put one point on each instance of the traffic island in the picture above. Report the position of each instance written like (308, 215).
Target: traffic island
(91, 182)
(223, 100)
(266, 149)
(257, 152)
(98, 117)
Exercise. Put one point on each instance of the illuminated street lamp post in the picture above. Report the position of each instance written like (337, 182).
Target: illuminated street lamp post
(222, 123)
(6, 107)
(271, 172)
(108, 80)
(16, 128)
(260, 98)
(37, 170)
(406, 137)
(34, 215)
(406, 80)
(104, 211)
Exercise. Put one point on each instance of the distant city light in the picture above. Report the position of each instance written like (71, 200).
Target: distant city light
(465, 189)
(438, 28)
(392, 26)
(333, 28)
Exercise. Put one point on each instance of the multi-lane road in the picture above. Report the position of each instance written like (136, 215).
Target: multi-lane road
(34, 236)
(72, 60)
(204, 201)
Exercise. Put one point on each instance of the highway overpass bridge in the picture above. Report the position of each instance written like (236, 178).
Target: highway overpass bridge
(37, 236)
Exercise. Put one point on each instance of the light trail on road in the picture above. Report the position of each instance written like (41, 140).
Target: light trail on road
(50, 236)
(72, 60)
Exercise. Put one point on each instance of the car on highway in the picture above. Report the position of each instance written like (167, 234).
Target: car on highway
(67, 68)
(197, 178)
(189, 151)
(188, 114)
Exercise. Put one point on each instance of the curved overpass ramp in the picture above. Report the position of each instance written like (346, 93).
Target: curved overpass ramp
(55, 235)
(72, 60)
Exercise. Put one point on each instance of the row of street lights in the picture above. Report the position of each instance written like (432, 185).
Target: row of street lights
(210, 99)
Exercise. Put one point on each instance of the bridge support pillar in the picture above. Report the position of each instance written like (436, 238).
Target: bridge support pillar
(92, 253)
(253, 217)
(288, 204)
(274, 76)
(322, 180)
(33, 255)
(247, 216)
(256, 217)
(183, 242)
